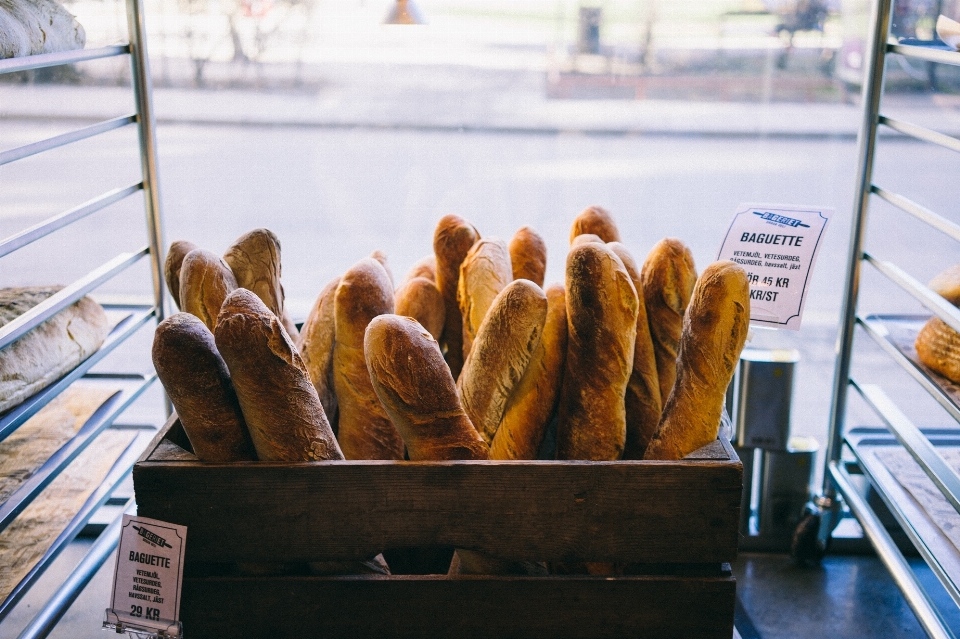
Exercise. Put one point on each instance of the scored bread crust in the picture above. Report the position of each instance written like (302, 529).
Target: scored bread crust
(507, 338)
(714, 332)
(485, 271)
(172, 265)
(452, 240)
(364, 429)
(668, 276)
(602, 324)
(642, 402)
(198, 383)
(279, 404)
(205, 281)
(938, 347)
(534, 399)
(420, 299)
(417, 390)
(597, 221)
(316, 349)
(528, 256)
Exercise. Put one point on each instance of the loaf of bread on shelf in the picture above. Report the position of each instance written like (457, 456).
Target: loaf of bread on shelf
(642, 401)
(364, 429)
(205, 281)
(602, 331)
(452, 240)
(596, 221)
(947, 284)
(316, 349)
(32, 27)
(485, 271)
(528, 256)
(424, 267)
(198, 383)
(420, 299)
(533, 401)
(668, 276)
(417, 390)
(279, 403)
(507, 338)
(714, 332)
(938, 347)
(171, 267)
(50, 350)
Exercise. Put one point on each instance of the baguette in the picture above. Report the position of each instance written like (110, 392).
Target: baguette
(199, 386)
(420, 299)
(172, 265)
(364, 430)
(279, 404)
(595, 220)
(316, 349)
(534, 399)
(668, 277)
(642, 401)
(417, 390)
(205, 281)
(506, 340)
(452, 240)
(714, 332)
(381, 257)
(938, 347)
(586, 238)
(424, 267)
(528, 256)
(485, 271)
(602, 310)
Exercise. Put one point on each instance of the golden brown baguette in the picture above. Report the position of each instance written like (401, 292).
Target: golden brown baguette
(279, 404)
(947, 284)
(171, 267)
(381, 257)
(506, 340)
(316, 349)
(528, 256)
(420, 299)
(534, 399)
(938, 347)
(198, 383)
(597, 221)
(424, 267)
(668, 276)
(416, 389)
(586, 238)
(452, 240)
(364, 429)
(642, 401)
(714, 331)
(205, 281)
(485, 272)
(602, 324)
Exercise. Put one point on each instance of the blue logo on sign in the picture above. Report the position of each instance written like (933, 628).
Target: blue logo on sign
(781, 219)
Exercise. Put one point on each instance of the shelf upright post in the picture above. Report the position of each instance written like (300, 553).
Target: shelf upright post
(140, 71)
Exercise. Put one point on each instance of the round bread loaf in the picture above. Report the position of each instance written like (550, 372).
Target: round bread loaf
(485, 272)
(172, 265)
(938, 347)
(528, 256)
(597, 221)
(452, 240)
(420, 299)
(947, 284)
(205, 281)
(316, 349)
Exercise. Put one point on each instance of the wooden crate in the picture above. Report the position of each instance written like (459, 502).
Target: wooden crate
(678, 519)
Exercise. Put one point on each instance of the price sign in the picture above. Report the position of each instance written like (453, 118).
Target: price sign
(149, 573)
(777, 245)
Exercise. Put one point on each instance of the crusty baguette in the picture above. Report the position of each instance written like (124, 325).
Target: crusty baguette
(947, 284)
(506, 340)
(642, 401)
(280, 406)
(424, 267)
(485, 272)
(586, 238)
(668, 276)
(171, 267)
(452, 240)
(602, 323)
(199, 386)
(417, 390)
(714, 332)
(381, 257)
(528, 256)
(51, 349)
(420, 299)
(364, 429)
(316, 349)
(938, 347)
(205, 281)
(597, 221)
(534, 399)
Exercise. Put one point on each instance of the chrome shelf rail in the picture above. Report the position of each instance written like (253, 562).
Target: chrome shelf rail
(943, 309)
(921, 133)
(922, 213)
(25, 151)
(47, 60)
(927, 54)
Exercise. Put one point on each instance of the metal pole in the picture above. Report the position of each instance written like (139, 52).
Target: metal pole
(870, 99)
(142, 91)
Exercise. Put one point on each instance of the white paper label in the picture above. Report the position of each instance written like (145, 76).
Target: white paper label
(777, 245)
(146, 586)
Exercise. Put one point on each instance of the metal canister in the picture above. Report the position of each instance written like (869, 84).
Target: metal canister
(785, 487)
(764, 393)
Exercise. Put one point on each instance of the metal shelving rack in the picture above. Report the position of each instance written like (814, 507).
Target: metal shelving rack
(131, 385)
(938, 552)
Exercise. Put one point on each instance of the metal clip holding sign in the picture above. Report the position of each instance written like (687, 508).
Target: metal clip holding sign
(146, 588)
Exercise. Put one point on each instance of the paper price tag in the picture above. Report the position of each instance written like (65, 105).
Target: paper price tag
(149, 573)
(777, 245)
